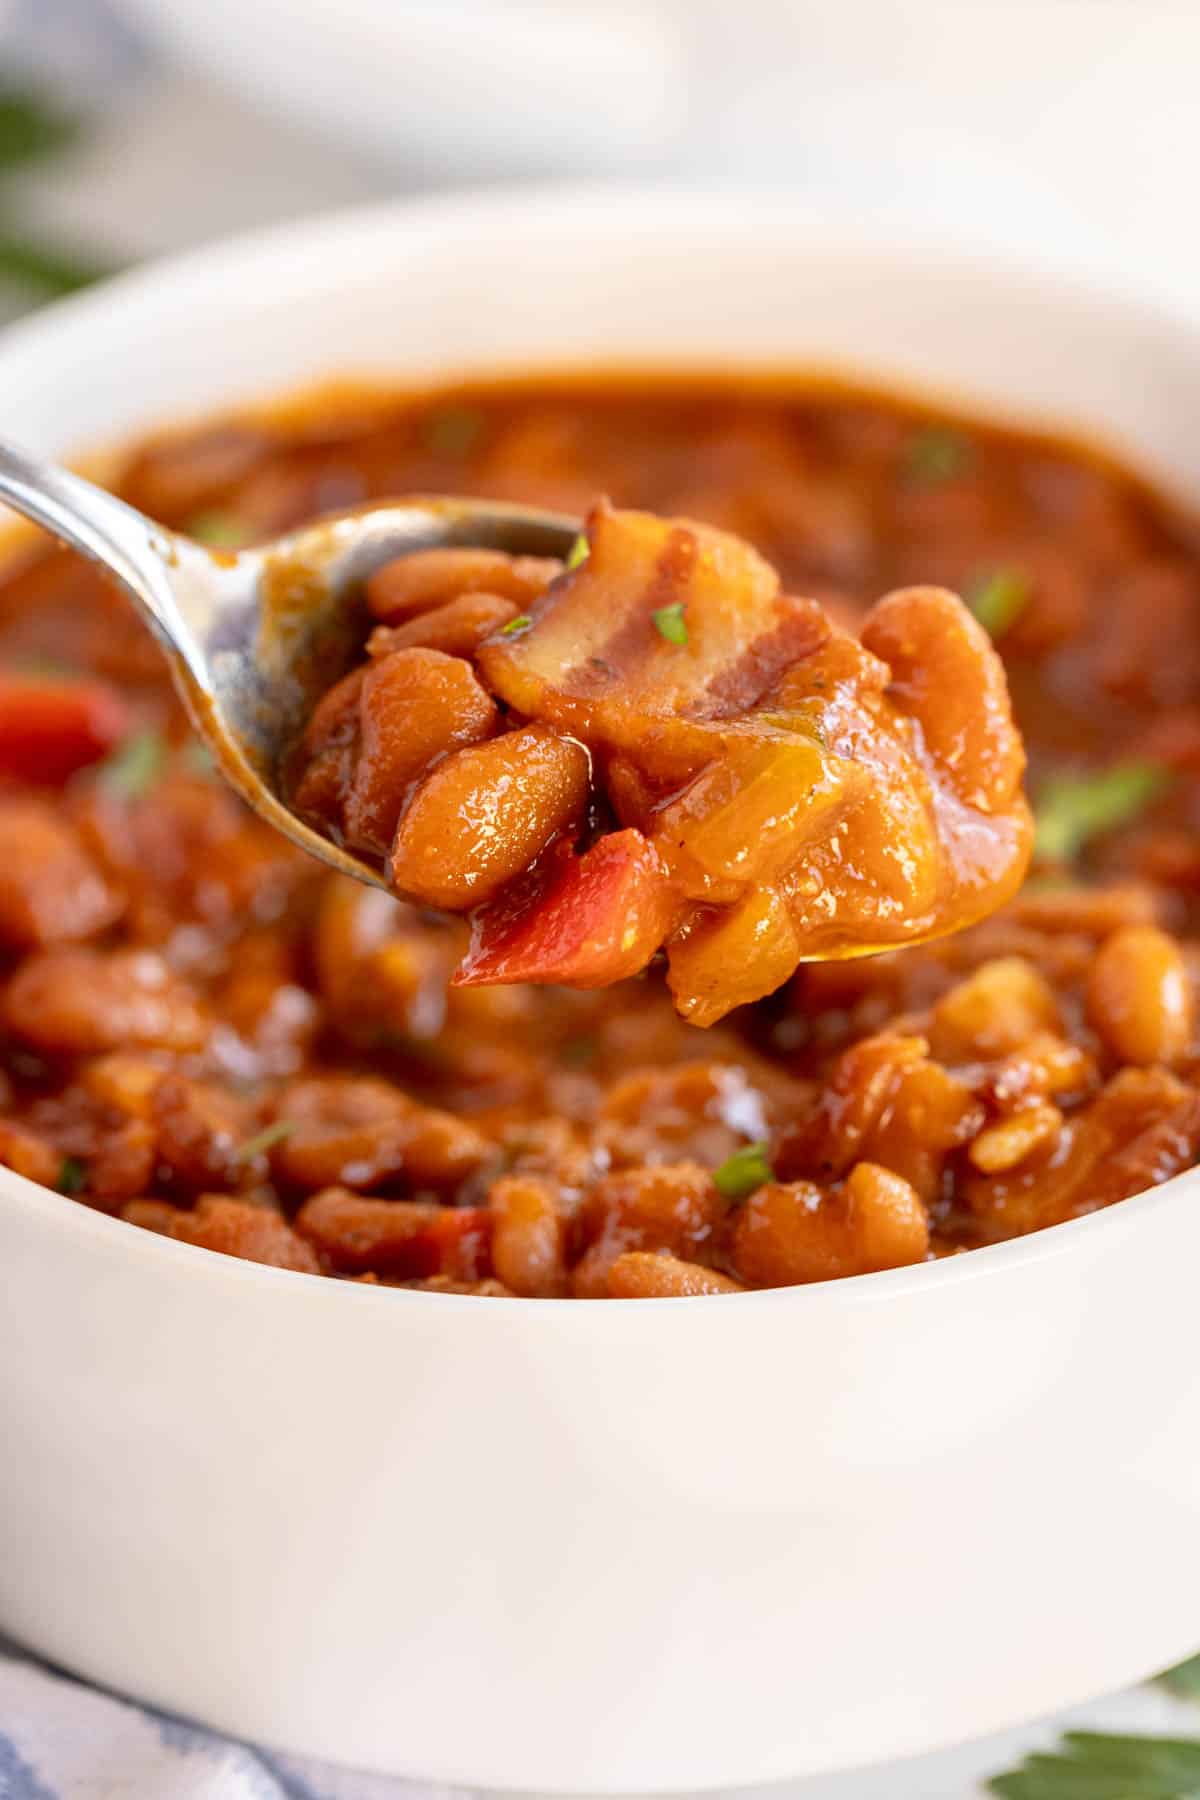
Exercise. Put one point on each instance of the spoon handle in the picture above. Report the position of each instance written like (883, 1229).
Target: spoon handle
(123, 541)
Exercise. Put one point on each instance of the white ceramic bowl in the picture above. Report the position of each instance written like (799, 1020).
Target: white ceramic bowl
(640, 1545)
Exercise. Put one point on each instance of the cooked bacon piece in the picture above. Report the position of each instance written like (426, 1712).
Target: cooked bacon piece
(602, 658)
(781, 791)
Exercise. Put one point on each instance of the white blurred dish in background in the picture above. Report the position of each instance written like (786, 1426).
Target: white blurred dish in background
(1065, 122)
(456, 86)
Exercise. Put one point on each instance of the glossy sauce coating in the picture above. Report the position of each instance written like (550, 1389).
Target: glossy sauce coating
(667, 751)
(203, 1032)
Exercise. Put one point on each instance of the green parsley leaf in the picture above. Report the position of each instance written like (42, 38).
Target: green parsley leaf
(219, 529)
(670, 623)
(453, 431)
(49, 271)
(135, 766)
(578, 553)
(31, 126)
(1183, 1679)
(999, 599)
(72, 1175)
(936, 454)
(196, 758)
(1073, 809)
(1096, 1765)
(266, 1139)
(522, 622)
(743, 1172)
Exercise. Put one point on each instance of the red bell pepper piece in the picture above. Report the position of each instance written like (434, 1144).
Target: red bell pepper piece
(50, 727)
(596, 919)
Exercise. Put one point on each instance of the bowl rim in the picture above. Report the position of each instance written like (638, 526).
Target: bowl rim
(729, 209)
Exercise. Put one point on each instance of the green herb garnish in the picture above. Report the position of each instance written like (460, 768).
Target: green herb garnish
(999, 599)
(743, 1172)
(72, 1175)
(133, 769)
(578, 553)
(670, 623)
(196, 758)
(1073, 809)
(454, 431)
(266, 1139)
(522, 622)
(1183, 1679)
(936, 454)
(1098, 1765)
(219, 530)
(31, 126)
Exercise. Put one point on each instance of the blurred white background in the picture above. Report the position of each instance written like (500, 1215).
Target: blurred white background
(1069, 124)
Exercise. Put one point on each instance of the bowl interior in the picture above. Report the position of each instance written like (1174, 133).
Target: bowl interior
(595, 277)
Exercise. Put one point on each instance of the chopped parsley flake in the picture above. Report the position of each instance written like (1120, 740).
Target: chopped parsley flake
(1073, 809)
(72, 1175)
(578, 553)
(936, 454)
(670, 623)
(135, 766)
(743, 1172)
(999, 599)
(522, 622)
(266, 1139)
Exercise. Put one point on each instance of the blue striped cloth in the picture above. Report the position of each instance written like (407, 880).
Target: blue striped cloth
(63, 1740)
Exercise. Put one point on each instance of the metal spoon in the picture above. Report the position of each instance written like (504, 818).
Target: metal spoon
(254, 637)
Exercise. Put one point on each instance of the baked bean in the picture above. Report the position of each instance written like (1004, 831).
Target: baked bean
(485, 814)
(324, 757)
(200, 1130)
(799, 1232)
(1009, 1141)
(51, 890)
(457, 628)
(702, 1109)
(672, 1207)
(855, 1099)
(993, 1012)
(413, 707)
(357, 1133)
(29, 1155)
(653, 1275)
(946, 675)
(528, 1236)
(430, 578)
(1139, 997)
(252, 1232)
(78, 1002)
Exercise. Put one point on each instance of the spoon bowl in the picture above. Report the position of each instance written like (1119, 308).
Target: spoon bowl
(253, 637)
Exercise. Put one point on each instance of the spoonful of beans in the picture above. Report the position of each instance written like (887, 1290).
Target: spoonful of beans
(597, 742)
